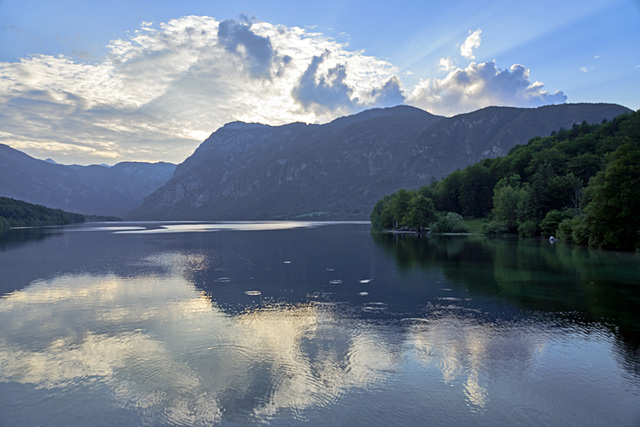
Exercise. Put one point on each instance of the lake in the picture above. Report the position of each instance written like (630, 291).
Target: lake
(288, 323)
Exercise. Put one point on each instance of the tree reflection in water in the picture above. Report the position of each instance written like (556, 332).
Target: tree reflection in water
(572, 283)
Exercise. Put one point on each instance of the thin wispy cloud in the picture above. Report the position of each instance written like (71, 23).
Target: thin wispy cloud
(164, 87)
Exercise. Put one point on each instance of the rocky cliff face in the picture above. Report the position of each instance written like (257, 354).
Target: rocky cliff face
(93, 190)
(340, 169)
(462, 140)
(248, 171)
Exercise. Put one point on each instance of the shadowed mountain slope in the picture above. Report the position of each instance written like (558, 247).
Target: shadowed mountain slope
(91, 190)
(340, 169)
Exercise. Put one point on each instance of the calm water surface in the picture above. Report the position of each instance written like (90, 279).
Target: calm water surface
(318, 323)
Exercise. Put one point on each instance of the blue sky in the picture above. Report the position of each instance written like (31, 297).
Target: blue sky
(103, 82)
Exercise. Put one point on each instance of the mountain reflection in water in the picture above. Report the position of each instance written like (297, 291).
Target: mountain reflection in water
(314, 324)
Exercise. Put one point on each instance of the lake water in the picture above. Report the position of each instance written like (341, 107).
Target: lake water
(322, 323)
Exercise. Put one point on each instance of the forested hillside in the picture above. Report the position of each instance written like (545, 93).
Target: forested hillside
(15, 213)
(580, 185)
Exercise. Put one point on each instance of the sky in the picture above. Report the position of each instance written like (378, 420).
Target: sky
(148, 80)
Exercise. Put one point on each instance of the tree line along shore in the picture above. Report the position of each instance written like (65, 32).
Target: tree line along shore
(16, 213)
(579, 185)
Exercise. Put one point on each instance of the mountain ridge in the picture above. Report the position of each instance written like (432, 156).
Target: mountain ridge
(89, 190)
(340, 169)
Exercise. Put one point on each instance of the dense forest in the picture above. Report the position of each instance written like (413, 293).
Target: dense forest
(15, 213)
(580, 184)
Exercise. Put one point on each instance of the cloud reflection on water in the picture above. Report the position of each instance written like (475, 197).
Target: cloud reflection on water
(218, 226)
(165, 350)
(150, 227)
(159, 343)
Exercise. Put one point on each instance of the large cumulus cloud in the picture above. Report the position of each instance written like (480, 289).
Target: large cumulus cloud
(332, 92)
(164, 88)
(481, 85)
(237, 37)
(324, 92)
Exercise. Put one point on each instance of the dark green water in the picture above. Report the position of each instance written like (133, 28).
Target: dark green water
(316, 323)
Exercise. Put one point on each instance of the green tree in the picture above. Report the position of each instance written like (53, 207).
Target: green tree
(505, 206)
(528, 228)
(427, 191)
(584, 166)
(551, 221)
(400, 208)
(512, 205)
(381, 215)
(16, 213)
(563, 191)
(574, 230)
(448, 192)
(540, 188)
(476, 188)
(542, 201)
(449, 223)
(422, 213)
(613, 213)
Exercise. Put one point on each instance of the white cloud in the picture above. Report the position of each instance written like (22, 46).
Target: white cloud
(165, 86)
(586, 69)
(481, 85)
(198, 135)
(446, 64)
(257, 51)
(472, 42)
(162, 86)
(390, 94)
(324, 92)
(72, 352)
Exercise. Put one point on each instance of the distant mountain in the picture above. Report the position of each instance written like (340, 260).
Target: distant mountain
(91, 190)
(340, 169)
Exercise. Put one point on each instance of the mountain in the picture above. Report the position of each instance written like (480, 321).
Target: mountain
(459, 141)
(340, 169)
(90, 190)
(250, 171)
